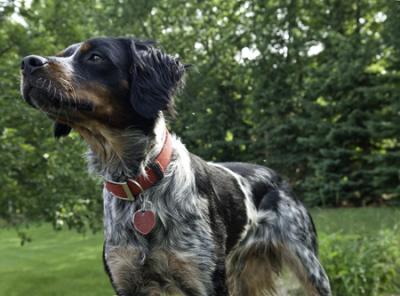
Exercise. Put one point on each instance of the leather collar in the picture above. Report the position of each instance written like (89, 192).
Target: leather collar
(132, 188)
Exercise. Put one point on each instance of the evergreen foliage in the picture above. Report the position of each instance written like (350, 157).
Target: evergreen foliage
(309, 88)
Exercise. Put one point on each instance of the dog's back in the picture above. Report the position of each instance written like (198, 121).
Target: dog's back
(278, 230)
(281, 232)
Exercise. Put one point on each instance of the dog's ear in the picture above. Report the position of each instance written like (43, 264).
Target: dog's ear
(61, 130)
(155, 78)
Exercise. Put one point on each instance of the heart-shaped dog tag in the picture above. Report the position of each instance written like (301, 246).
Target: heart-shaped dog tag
(144, 221)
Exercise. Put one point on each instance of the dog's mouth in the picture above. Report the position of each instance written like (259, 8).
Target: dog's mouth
(54, 98)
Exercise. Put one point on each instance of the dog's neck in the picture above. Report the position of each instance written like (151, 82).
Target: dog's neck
(121, 154)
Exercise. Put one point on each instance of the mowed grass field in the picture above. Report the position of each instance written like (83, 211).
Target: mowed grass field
(55, 263)
(65, 263)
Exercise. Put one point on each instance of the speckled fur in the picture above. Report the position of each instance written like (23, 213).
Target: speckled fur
(277, 231)
(222, 229)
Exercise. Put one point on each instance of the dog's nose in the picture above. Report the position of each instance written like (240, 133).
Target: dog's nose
(31, 63)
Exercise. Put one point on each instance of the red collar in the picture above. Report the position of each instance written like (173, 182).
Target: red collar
(155, 172)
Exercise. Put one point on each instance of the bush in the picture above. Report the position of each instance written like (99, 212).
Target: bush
(359, 265)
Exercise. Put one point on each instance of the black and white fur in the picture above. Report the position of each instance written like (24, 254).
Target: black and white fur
(231, 224)
(222, 228)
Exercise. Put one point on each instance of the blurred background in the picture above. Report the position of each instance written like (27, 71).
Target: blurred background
(309, 88)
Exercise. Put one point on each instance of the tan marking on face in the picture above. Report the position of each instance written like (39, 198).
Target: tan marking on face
(85, 47)
(125, 84)
(99, 127)
(99, 96)
(96, 127)
(108, 110)
(60, 74)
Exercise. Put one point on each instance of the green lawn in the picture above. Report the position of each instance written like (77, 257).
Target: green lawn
(365, 221)
(67, 263)
(55, 263)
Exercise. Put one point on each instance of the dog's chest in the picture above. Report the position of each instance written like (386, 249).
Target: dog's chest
(180, 247)
(177, 226)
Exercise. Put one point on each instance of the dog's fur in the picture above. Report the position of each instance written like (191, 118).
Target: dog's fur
(222, 229)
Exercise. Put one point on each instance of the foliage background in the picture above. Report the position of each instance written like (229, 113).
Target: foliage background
(308, 87)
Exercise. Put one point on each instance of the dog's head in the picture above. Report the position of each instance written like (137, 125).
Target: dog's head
(116, 82)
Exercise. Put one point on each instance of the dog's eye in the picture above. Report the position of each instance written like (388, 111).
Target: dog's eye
(95, 58)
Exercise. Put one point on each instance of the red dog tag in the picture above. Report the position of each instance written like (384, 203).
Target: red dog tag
(144, 221)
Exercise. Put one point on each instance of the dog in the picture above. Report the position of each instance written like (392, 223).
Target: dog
(173, 223)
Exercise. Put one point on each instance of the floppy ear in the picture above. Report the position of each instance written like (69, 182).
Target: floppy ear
(61, 130)
(155, 78)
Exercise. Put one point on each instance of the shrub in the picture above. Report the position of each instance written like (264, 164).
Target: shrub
(359, 265)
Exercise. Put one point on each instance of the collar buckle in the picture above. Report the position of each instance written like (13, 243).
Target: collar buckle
(137, 184)
(125, 187)
(128, 192)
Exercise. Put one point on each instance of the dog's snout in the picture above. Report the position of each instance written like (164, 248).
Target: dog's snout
(31, 63)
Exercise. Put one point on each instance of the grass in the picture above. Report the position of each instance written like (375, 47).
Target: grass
(363, 221)
(55, 263)
(66, 263)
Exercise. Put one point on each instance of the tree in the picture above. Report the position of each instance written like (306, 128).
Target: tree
(309, 88)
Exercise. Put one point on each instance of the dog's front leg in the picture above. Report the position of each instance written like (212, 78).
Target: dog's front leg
(124, 270)
(191, 285)
(219, 280)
